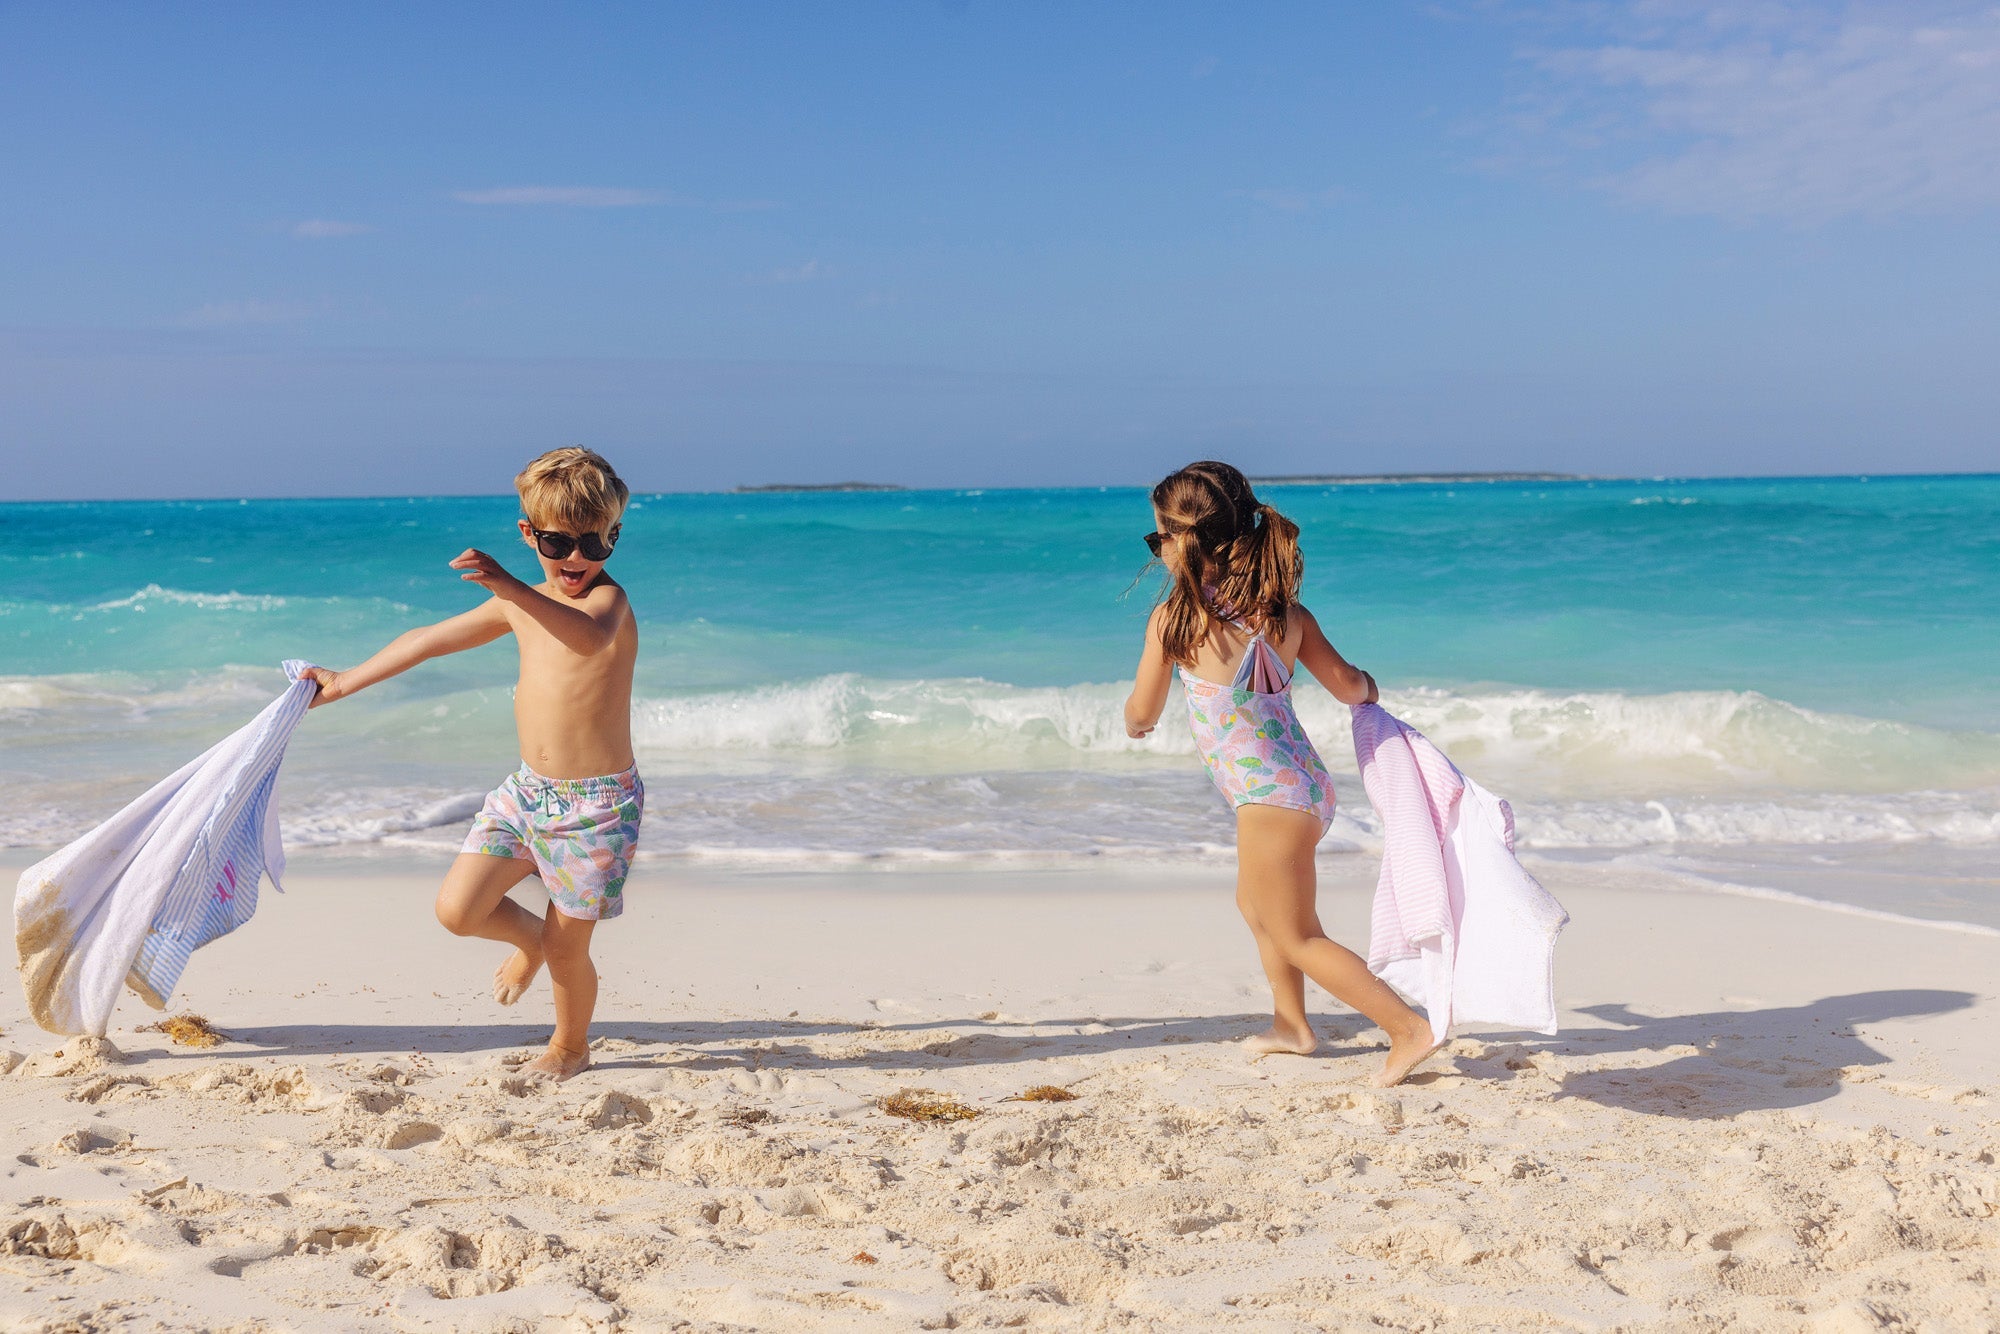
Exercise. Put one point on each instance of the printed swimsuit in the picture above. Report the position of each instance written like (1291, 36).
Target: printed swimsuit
(579, 832)
(1250, 738)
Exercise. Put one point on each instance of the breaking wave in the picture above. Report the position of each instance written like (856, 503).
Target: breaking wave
(849, 766)
(1579, 744)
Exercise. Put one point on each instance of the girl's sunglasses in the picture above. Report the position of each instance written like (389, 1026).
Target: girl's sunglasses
(557, 546)
(1154, 541)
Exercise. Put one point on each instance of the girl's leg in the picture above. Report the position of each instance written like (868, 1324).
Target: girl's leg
(573, 978)
(1290, 1030)
(1276, 886)
(473, 902)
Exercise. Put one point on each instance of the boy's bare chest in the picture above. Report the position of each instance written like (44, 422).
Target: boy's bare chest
(544, 658)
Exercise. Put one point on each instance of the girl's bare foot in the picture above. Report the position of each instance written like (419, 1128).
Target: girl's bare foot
(1281, 1040)
(511, 979)
(1407, 1051)
(557, 1064)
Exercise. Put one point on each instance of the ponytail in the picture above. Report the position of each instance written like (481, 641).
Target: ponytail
(1244, 551)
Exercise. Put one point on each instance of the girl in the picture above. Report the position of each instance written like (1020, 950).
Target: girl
(1232, 626)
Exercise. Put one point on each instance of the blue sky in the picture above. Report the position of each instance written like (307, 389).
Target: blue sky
(369, 249)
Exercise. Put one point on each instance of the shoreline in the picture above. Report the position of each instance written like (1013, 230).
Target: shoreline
(1755, 1115)
(1336, 866)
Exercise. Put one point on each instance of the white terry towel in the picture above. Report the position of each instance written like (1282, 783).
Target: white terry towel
(133, 898)
(1459, 926)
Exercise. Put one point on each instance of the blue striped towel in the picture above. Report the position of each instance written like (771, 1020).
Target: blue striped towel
(177, 868)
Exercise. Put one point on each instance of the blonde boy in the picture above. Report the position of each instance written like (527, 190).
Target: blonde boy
(570, 814)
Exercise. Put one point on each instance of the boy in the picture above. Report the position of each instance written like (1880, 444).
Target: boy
(570, 814)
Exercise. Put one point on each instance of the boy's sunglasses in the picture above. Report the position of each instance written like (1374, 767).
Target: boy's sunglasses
(1154, 541)
(557, 546)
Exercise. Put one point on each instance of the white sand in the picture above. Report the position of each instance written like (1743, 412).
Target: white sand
(1759, 1115)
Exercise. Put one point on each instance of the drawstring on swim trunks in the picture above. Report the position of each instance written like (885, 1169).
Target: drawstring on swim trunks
(556, 797)
(549, 798)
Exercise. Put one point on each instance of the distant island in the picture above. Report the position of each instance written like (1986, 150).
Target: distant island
(1314, 479)
(1392, 478)
(820, 486)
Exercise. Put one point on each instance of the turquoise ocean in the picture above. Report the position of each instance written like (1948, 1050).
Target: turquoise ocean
(1768, 686)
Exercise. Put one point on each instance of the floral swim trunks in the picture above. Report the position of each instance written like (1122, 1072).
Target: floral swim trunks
(579, 832)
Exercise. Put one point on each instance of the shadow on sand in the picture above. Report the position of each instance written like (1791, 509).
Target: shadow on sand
(782, 1043)
(1745, 1060)
(1740, 1060)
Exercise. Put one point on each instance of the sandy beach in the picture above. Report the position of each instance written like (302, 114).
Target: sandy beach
(894, 497)
(1758, 1115)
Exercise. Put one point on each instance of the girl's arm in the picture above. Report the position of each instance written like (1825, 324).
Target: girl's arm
(1348, 683)
(482, 625)
(1149, 688)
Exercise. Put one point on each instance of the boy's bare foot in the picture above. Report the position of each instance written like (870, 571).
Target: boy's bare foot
(1407, 1051)
(512, 978)
(557, 1064)
(1280, 1040)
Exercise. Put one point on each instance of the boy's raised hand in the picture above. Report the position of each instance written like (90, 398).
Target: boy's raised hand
(476, 567)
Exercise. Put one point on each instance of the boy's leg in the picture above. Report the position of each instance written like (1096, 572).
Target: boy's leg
(573, 978)
(473, 902)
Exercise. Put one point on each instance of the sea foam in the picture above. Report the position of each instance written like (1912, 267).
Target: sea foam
(1547, 742)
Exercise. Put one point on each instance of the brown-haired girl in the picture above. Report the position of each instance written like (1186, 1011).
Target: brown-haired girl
(1232, 626)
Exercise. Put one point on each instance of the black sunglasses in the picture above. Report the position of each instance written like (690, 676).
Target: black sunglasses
(1154, 541)
(557, 546)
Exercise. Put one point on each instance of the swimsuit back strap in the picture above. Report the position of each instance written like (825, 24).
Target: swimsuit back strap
(1261, 670)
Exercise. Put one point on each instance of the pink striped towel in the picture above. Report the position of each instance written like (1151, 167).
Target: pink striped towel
(1415, 790)
(1459, 926)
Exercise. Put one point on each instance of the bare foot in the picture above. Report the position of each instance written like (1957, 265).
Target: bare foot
(557, 1064)
(1407, 1051)
(1280, 1040)
(512, 978)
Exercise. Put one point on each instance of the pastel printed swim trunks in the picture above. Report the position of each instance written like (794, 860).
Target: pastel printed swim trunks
(579, 832)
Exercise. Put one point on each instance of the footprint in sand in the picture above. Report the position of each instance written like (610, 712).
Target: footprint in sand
(409, 1134)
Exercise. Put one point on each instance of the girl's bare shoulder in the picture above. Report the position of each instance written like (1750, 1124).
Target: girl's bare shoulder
(1300, 626)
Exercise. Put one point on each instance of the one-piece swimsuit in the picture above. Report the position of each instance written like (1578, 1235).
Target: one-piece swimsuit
(1250, 737)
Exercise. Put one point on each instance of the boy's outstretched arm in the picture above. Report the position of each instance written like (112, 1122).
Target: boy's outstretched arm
(482, 625)
(1149, 686)
(1348, 683)
(586, 625)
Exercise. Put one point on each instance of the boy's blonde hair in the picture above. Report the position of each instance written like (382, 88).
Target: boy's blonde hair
(572, 488)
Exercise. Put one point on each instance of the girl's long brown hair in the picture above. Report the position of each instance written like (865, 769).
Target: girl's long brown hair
(1245, 551)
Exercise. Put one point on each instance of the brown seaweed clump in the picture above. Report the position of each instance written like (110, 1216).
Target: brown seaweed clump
(187, 1030)
(1043, 1093)
(924, 1105)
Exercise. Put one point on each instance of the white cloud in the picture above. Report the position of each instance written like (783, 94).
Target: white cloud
(565, 196)
(325, 229)
(1772, 109)
(228, 314)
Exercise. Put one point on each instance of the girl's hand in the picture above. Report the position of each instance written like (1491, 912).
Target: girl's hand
(329, 686)
(479, 568)
(1136, 732)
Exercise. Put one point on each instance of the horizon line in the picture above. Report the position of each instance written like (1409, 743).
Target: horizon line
(742, 491)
